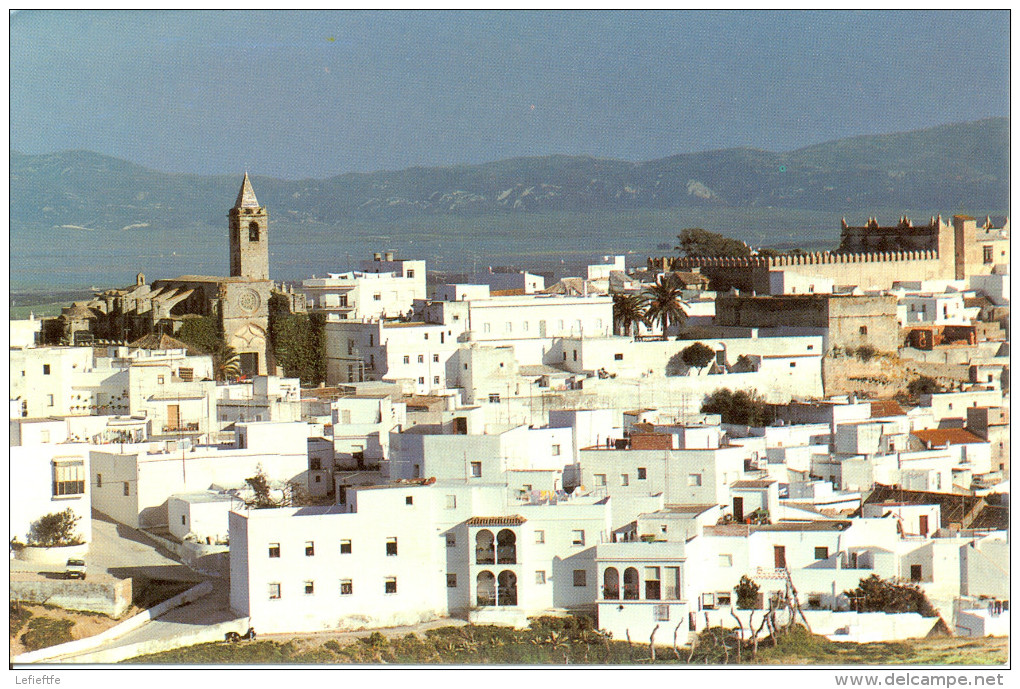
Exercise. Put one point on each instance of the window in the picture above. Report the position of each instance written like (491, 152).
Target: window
(409, 500)
(694, 479)
(376, 297)
(539, 536)
(642, 473)
(407, 359)
(863, 330)
(987, 254)
(421, 358)
(915, 572)
(451, 540)
(391, 546)
(723, 599)
(540, 576)
(580, 577)
(618, 356)
(577, 537)
(476, 469)
(309, 548)
(391, 585)
(486, 327)
(494, 398)
(662, 613)
(274, 550)
(725, 560)
(421, 380)
(600, 479)
(509, 327)
(345, 547)
(253, 232)
(186, 374)
(184, 520)
(309, 588)
(435, 380)
(556, 450)
(451, 581)
(821, 553)
(793, 364)
(653, 590)
(160, 379)
(624, 479)
(575, 355)
(46, 369)
(274, 592)
(346, 587)
(69, 477)
(127, 488)
(49, 400)
(524, 326)
(99, 478)
(672, 584)
(451, 502)
(435, 358)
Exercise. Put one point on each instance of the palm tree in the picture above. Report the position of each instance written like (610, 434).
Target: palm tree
(226, 362)
(663, 303)
(627, 310)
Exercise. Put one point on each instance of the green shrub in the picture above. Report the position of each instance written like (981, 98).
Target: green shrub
(55, 529)
(44, 632)
(747, 594)
(19, 616)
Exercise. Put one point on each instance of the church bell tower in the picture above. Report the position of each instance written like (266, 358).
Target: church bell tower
(249, 235)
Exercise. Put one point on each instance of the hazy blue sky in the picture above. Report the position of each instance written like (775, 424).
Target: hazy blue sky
(314, 94)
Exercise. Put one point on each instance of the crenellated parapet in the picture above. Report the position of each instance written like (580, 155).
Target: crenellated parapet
(786, 260)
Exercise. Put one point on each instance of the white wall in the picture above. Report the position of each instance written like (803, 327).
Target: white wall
(31, 479)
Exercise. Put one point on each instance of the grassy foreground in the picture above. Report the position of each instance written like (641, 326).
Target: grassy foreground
(552, 641)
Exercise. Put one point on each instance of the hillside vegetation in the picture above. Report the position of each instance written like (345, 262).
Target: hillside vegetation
(552, 641)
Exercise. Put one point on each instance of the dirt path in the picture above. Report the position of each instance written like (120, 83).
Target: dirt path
(313, 639)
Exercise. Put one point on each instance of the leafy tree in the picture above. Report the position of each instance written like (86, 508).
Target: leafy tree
(924, 385)
(663, 303)
(747, 594)
(698, 355)
(55, 529)
(202, 332)
(695, 241)
(627, 310)
(259, 485)
(740, 407)
(875, 594)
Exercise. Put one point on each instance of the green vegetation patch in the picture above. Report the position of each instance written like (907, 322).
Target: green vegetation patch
(44, 632)
(575, 641)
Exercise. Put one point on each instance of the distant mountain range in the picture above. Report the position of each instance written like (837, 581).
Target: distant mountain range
(952, 168)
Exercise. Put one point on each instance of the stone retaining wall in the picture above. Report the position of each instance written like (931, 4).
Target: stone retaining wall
(110, 598)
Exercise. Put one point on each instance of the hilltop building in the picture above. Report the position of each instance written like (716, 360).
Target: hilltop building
(871, 257)
(239, 303)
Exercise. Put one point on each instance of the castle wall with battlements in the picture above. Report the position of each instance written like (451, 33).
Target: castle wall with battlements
(878, 270)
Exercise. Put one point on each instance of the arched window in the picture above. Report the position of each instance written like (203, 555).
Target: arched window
(507, 594)
(253, 232)
(506, 547)
(485, 548)
(486, 585)
(631, 584)
(611, 584)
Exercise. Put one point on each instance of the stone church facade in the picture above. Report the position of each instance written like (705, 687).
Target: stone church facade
(239, 302)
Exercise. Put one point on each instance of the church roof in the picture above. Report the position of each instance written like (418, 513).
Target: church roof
(164, 341)
(246, 197)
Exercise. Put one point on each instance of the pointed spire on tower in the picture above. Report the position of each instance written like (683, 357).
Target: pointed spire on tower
(246, 197)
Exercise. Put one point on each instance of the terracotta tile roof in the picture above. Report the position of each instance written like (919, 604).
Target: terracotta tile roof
(883, 408)
(938, 437)
(514, 520)
(753, 484)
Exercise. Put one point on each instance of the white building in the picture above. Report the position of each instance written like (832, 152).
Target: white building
(383, 288)
(404, 553)
(518, 281)
(133, 483)
(46, 478)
